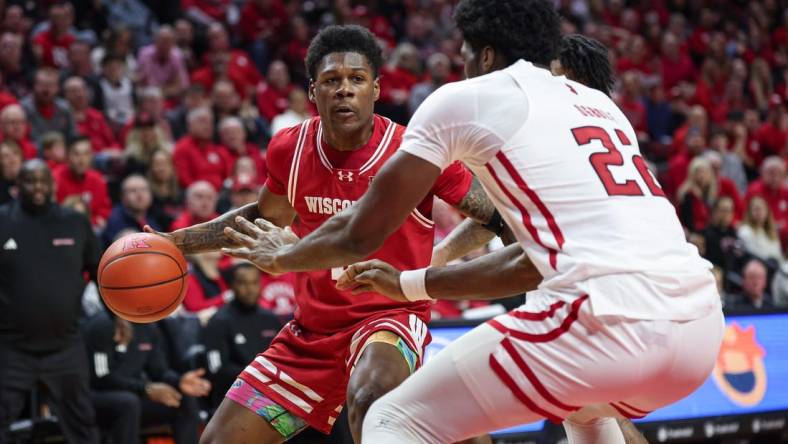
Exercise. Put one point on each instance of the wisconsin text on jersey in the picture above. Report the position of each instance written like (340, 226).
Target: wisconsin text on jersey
(326, 205)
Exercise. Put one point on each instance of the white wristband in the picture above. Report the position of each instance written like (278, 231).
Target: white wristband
(413, 284)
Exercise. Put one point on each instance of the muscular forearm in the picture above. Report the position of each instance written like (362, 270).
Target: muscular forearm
(209, 236)
(506, 272)
(467, 237)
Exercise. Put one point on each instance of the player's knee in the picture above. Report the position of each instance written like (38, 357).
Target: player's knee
(362, 395)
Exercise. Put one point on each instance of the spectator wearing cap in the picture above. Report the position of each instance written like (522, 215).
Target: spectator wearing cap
(10, 164)
(142, 141)
(232, 135)
(134, 210)
(201, 200)
(753, 295)
(272, 95)
(242, 190)
(758, 232)
(50, 47)
(79, 179)
(196, 157)
(53, 151)
(161, 64)
(90, 121)
(115, 91)
(13, 124)
(44, 110)
(772, 188)
(439, 68)
(297, 111)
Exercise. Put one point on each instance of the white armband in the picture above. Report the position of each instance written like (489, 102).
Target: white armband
(413, 284)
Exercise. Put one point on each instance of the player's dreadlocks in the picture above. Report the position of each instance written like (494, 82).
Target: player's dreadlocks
(517, 29)
(346, 38)
(586, 59)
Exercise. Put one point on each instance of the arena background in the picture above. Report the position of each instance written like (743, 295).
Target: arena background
(703, 82)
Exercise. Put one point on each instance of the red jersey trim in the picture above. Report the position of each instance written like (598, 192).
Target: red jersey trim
(292, 181)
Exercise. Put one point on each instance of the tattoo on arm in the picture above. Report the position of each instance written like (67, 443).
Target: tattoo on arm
(476, 204)
(209, 236)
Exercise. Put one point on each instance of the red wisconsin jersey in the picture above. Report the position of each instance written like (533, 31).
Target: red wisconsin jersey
(319, 182)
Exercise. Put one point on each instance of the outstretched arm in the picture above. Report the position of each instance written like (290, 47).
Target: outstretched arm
(209, 236)
(351, 235)
(503, 273)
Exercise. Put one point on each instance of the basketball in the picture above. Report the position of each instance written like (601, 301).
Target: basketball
(142, 277)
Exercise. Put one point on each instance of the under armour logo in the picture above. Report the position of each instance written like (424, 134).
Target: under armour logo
(345, 176)
(570, 88)
(134, 242)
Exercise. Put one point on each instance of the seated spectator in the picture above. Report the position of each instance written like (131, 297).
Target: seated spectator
(239, 68)
(50, 47)
(167, 196)
(78, 178)
(758, 232)
(53, 150)
(15, 71)
(90, 121)
(161, 64)
(278, 294)
(193, 98)
(150, 101)
(144, 139)
(44, 110)
(753, 292)
(297, 111)
(115, 92)
(13, 126)
(771, 186)
(10, 165)
(725, 186)
(678, 166)
(263, 22)
(232, 135)
(773, 133)
(206, 289)
(675, 64)
(731, 166)
(201, 200)
(272, 95)
(722, 246)
(242, 190)
(118, 43)
(238, 331)
(133, 15)
(398, 77)
(196, 157)
(134, 210)
(6, 97)
(134, 387)
(780, 280)
(184, 39)
(79, 63)
(439, 68)
(227, 103)
(696, 195)
(630, 101)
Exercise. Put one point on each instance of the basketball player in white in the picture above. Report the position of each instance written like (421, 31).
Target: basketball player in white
(623, 316)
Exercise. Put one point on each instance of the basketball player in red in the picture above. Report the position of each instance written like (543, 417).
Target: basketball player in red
(340, 348)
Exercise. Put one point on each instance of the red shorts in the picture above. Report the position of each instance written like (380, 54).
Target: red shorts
(307, 373)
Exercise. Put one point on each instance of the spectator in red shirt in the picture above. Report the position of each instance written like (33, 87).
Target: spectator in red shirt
(90, 122)
(79, 179)
(631, 103)
(263, 20)
(196, 157)
(636, 58)
(399, 76)
(295, 52)
(50, 47)
(771, 186)
(697, 195)
(676, 66)
(240, 68)
(232, 135)
(201, 200)
(678, 165)
(697, 120)
(53, 151)
(772, 136)
(13, 128)
(272, 95)
(206, 289)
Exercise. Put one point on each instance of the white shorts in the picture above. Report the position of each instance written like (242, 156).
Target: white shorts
(548, 359)
(556, 357)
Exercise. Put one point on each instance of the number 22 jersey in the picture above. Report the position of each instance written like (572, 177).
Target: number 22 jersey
(319, 182)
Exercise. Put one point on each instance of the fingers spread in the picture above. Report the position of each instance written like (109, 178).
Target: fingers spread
(241, 253)
(239, 237)
(264, 225)
(247, 227)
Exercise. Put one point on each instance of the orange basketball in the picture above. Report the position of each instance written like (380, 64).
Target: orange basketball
(142, 277)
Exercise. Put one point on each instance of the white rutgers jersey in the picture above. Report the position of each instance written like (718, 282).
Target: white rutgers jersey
(562, 165)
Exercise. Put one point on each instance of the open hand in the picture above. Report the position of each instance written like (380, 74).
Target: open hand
(374, 275)
(163, 394)
(193, 384)
(259, 242)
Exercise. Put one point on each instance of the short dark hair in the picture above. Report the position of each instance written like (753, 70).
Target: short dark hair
(343, 38)
(517, 29)
(587, 61)
(241, 266)
(73, 141)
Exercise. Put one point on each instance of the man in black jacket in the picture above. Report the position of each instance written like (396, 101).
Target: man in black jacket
(238, 331)
(133, 385)
(44, 252)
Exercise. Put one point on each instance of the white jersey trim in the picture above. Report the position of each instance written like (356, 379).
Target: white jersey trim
(296, 163)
